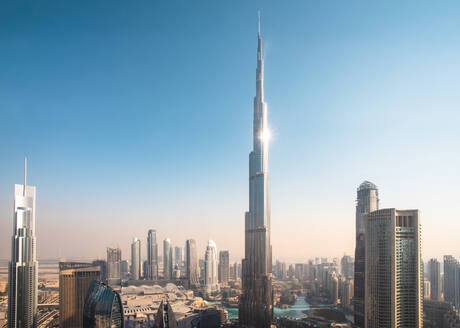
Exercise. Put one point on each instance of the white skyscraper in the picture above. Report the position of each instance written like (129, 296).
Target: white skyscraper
(23, 267)
(211, 283)
(136, 259)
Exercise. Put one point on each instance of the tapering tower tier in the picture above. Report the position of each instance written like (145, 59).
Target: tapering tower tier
(256, 301)
(23, 267)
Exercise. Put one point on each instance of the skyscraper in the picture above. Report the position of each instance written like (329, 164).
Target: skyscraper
(23, 267)
(211, 284)
(434, 276)
(113, 266)
(346, 266)
(152, 255)
(74, 281)
(256, 301)
(102, 264)
(394, 279)
(224, 267)
(367, 201)
(167, 259)
(451, 280)
(136, 259)
(178, 255)
(192, 267)
(103, 308)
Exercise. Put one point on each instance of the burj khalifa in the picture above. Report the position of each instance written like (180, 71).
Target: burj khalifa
(256, 301)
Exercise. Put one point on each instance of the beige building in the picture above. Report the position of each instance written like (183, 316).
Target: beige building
(74, 281)
(393, 271)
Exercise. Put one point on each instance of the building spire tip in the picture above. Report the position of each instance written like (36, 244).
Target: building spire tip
(258, 23)
(25, 176)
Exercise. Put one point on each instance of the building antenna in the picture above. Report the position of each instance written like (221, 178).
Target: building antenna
(25, 176)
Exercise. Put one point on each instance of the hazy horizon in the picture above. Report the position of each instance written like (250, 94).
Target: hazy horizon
(139, 116)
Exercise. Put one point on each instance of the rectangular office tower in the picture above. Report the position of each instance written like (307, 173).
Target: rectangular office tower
(23, 267)
(191, 263)
(152, 255)
(74, 281)
(434, 277)
(393, 272)
(113, 267)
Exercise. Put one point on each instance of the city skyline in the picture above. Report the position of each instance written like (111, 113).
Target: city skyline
(354, 116)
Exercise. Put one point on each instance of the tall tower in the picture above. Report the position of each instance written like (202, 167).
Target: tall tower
(394, 279)
(136, 259)
(23, 267)
(434, 276)
(211, 284)
(113, 266)
(366, 202)
(256, 301)
(451, 280)
(224, 267)
(74, 281)
(167, 259)
(191, 259)
(152, 255)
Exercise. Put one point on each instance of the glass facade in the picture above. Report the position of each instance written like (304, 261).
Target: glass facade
(103, 307)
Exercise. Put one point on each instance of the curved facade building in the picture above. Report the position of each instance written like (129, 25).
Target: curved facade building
(211, 284)
(136, 259)
(103, 308)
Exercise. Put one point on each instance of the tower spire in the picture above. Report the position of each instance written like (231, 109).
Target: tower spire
(25, 176)
(258, 23)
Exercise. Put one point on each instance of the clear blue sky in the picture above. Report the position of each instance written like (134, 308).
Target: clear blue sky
(138, 115)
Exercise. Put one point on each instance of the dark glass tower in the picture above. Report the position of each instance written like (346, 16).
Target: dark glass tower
(256, 301)
(191, 263)
(103, 308)
(366, 202)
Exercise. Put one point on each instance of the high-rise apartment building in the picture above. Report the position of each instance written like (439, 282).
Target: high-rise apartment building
(74, 281)
(103, 308)
(167, 259)
(434, 277)
(152, 255)
(367, 201)
(224, 267)
(113, 266)
(136, 259)
(394, 279)
(23, 267)
(191, 263)
(256, 301)
(211, 284)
